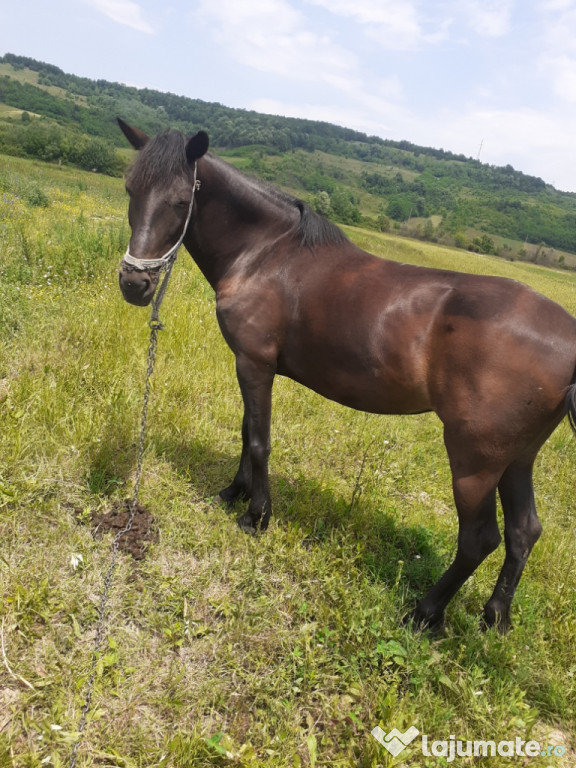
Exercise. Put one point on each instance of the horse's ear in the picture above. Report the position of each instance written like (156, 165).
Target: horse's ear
(135, 136)
(197, 146)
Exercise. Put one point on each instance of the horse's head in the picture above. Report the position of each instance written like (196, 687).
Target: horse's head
(161, 189)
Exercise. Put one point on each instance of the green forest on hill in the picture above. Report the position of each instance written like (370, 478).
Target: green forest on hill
(349, 176)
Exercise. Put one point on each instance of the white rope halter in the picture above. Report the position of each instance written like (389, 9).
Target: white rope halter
(144, 265)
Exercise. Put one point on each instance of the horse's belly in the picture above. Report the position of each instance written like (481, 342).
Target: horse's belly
(363, 390)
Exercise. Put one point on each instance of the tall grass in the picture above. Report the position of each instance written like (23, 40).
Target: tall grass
(282, 650)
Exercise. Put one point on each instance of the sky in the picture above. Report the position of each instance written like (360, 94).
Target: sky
(494, 79)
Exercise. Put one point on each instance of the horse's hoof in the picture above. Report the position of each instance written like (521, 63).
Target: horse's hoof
(419, 622)
(230, 495)
(226, 499)
(223, 504)
(253, 524)
(495, 621)
(246, 524)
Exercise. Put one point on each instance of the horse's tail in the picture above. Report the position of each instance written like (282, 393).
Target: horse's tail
(570, 404)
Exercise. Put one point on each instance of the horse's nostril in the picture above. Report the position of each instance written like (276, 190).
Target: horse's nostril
(145, 284)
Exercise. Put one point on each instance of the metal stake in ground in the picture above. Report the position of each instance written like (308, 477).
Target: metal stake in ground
(155, 326)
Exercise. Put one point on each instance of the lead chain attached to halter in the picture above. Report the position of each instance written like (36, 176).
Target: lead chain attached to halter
(166, 262)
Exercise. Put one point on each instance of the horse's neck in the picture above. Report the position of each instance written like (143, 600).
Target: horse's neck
(234, 218)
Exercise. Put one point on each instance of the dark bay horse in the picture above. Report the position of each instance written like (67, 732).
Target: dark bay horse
(494, 359)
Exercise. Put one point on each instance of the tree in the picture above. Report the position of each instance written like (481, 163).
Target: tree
(429, 232)
(483, 244)
(344, 208)
(96, 155)
(459, 240)
(322, 204)
(399, 208)
(384, 223)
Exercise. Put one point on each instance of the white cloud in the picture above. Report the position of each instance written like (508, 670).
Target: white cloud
(562, 73)
(556, 5)
(532, 141)
(123, 12)
(272, 36)
(557, 59)
(558, 31)
(488, 18)
(394, 25)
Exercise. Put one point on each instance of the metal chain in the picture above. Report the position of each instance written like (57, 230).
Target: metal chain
(155, 326)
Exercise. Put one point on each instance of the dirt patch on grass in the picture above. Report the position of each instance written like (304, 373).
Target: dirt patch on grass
(134, 541)
(551, 736)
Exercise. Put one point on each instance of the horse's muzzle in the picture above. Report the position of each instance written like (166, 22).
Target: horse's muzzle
(137, 286)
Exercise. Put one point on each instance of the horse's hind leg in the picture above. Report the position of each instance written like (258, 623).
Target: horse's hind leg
(474, 484)
(521, 531)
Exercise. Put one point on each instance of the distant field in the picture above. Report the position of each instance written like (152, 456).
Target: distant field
(24, 75)
(284, 650)
(555, 283)
(11, 112)
(31, 77)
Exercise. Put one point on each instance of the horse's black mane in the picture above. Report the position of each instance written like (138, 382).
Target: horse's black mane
(160, 160)
(313, 230)
(164, 157)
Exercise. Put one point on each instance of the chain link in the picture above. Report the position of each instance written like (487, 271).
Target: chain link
(155, 326)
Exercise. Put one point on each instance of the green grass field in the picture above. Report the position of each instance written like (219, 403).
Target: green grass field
(283, 650)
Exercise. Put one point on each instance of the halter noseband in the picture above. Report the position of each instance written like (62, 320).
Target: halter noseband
(147, 265)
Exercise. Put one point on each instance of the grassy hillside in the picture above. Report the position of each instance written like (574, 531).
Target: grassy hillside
(385, 185)
(283, 650)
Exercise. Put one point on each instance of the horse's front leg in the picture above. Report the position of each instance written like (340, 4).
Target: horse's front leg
(240, 489)
(255, 379)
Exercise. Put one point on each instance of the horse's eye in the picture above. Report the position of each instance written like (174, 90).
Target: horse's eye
(183, 204)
